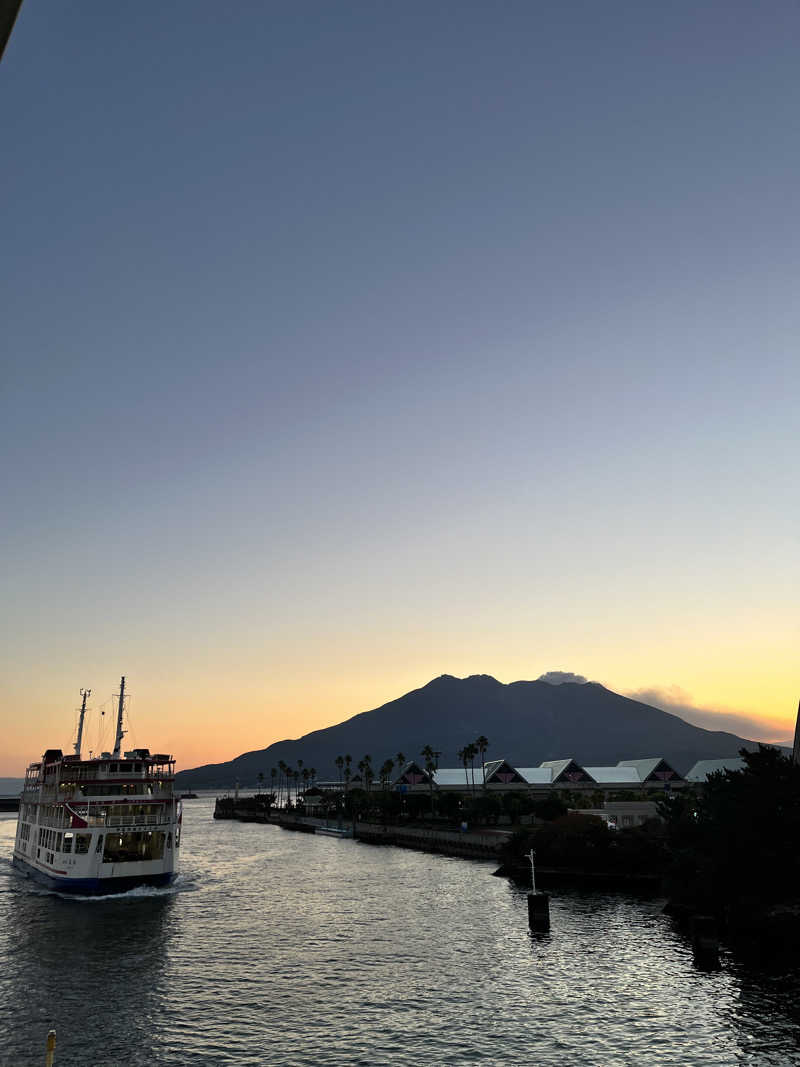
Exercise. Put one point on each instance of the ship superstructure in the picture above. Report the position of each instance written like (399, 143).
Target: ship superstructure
(100, 825)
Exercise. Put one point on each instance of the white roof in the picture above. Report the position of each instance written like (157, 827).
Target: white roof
(614, 775)
(704, 767)
(535, 775)
(456, 776)
(645, 767)
(557, 766)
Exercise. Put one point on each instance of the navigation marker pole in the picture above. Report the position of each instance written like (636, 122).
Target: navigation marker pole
(50, 1050)
(538, 903)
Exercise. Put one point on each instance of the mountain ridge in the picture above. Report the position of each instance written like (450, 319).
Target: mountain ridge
(526, 722)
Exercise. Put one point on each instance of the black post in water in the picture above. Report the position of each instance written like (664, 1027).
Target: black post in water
(538, 903)
(705, 940)
(538, 911)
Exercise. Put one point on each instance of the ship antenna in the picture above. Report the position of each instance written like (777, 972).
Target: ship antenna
(85, 693)
(120, 731)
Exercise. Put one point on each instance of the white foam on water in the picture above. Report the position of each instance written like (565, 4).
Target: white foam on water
(140, 892)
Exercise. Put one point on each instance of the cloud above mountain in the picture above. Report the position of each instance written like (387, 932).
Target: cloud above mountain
(560, 677)
(677, 701)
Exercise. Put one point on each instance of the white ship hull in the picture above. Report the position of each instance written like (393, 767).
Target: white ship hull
(106, 882)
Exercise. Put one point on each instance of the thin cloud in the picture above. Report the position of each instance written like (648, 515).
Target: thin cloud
(677, 701)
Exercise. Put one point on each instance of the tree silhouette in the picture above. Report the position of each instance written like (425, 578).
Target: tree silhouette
(430, 768)
(482, 744)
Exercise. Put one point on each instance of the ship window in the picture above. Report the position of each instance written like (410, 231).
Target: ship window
(68, 842)
(133, 847)
(99, 846)
(82, 842)
(169, 840)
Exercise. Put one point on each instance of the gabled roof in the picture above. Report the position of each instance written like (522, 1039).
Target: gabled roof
(503, 773)
(536, 775)
(566, 770)
(704, 767)
(556, 765)
(654, 769)
(614, 775)
(411, 774)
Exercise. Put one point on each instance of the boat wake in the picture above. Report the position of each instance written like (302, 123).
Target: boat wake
(140, 892)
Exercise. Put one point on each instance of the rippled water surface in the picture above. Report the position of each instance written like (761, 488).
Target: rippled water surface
(289, 949)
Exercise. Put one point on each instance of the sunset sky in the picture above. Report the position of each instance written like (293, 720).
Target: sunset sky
(349, 344)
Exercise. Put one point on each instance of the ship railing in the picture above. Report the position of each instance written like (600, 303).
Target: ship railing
(137, 820)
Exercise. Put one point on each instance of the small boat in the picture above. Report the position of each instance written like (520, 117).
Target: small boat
(334, 831)
(100, 825)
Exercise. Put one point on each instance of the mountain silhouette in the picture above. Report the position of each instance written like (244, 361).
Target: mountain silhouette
(526, 723)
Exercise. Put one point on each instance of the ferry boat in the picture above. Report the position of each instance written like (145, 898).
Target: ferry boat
(100, 825)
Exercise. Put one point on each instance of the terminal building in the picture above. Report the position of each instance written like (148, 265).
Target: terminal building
(563, 775)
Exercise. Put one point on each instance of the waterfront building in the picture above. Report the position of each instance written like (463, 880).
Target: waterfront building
(562, 775)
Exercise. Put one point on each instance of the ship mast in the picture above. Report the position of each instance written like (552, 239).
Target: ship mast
(85, 693)
(120, 731)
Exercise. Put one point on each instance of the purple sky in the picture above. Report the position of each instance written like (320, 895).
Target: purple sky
(347, 344)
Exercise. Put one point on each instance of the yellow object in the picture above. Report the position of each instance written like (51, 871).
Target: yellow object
(51, 1049)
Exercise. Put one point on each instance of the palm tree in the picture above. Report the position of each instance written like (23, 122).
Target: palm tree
(463, 755)
(472, 752)
(430, 768)
(283, 768)
(272, 773)
(401, 761)
(348, 759)
(368, 772)
(482, 744)
(386, 773)
(339, 761)
(260, 777)
(313, 772)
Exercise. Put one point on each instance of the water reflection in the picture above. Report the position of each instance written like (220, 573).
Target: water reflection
(312, 952)
(91, 969)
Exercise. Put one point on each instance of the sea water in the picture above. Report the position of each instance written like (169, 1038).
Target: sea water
(287, 949)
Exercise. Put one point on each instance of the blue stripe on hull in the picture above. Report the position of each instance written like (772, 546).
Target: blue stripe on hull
(93, 886)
